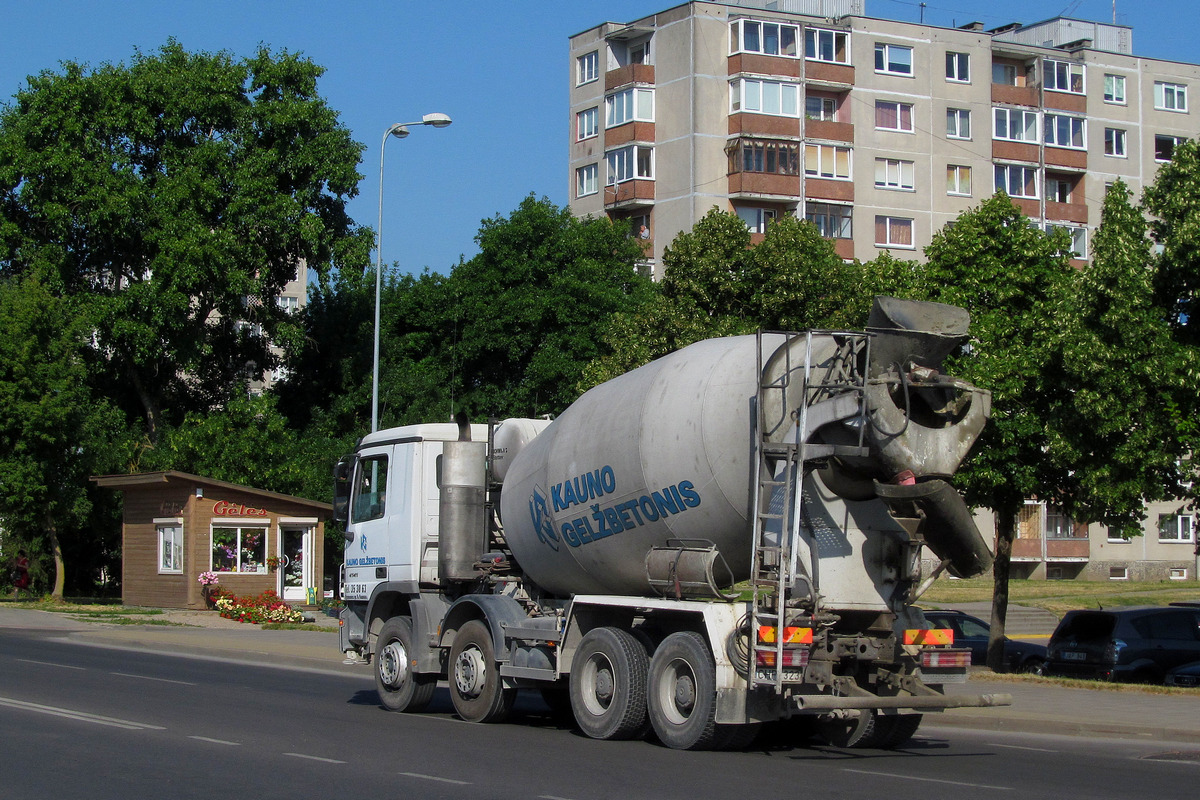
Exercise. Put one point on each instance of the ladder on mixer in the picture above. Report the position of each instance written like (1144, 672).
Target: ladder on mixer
(780, 459)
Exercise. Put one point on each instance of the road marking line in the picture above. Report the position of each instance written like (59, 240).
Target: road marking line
(929, 780)
(215, 741)
(435, 778)
(51, 664)
(551, 797)
(1018, 747)
(81, 716)
(315, 758)
(148, 678)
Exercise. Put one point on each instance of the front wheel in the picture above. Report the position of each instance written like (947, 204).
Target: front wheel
(400, 688)
(476, 689)
(682, 697)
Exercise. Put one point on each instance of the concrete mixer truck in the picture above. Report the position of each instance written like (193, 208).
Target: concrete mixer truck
(732, 534)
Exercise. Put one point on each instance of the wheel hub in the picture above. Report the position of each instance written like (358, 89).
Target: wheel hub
(685, 694)
(393, 664)
(469, 672)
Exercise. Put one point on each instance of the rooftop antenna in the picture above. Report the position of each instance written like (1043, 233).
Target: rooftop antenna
(923, 11)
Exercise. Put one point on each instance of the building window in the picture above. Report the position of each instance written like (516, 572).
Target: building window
(288, 302)
(768, 38)
(1170, 96)
(1115, 537)
(1164, 146)
(628, 163)
(1015, 125)
(820, 107)
(892, 173)
(629, 105)
(826, 45)
(239, 549)
(958, 67)
(1118, 573)
(891, 116)
(587, 124)
(1059, 189)
(833, 220)
(1114, 142)
(1178, 573)
(827, 161)
(893, 59)
(170, 546)
(1058, 524)
(639, 52)
(1016, 180)
(585, 180)
(958, 180)
(1175, 527)
(764, 97)
(1065, 131)
(893, 232)
(1006, 74)
(761, 155)
(1114, 89)
(958, 123)
(587, 68)
(757, 219)
(1063, 76)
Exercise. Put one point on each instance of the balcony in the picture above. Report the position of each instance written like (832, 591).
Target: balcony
(1067, 549)
(832, 74)
(629, 194)
(1065, 101)
(830, 130)
(1015, 95)
(629, 133)
(1015, 151)
(759, 185)
(630, 73)
(764, 65)
(1067, 212)
(749, 124)
(825, 189)
(1062, 157)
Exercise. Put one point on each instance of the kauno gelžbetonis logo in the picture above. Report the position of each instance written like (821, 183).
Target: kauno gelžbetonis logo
(539, 514)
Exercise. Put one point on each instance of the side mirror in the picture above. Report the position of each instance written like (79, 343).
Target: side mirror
(341, 490)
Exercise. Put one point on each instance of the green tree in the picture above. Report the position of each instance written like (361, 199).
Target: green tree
(54, 432)
(1174, 201)
(175, 197)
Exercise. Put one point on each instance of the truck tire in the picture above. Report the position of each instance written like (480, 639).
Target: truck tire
(854, 730)
(682, 696)
(608, 684)
(398, 686)
(895, 731)
(476, 689)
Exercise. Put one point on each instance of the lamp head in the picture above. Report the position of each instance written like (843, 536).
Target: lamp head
(399, 131)
(436, 120)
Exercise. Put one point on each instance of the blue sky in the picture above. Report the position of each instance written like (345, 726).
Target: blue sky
(499, 69)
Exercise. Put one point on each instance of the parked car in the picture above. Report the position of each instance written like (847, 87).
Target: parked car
(973, 632)
(1186, 675)
(1139, 645)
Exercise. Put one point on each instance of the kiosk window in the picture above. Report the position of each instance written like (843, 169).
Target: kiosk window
(370, 486)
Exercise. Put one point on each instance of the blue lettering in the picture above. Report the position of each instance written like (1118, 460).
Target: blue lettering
(570, 498)
(649, 510)
(631, 505)
(622, 512)
(665, 505)
(691, 498)
(608, 479)
(556, 496)
(614, 522)
(601, 528)
(592, 479)
(568, 534)
(675, 493)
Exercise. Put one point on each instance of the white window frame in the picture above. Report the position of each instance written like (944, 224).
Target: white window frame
(1177, 574)
(587, 124)
(1002, 69)
(895, 174)
(1183, 528)
(955, 130)
(956, 176)
(829, 154)
(288, 303)
(1177, 140)
(899, 109)
(625, 164)
(815, 40)
(1054, 72)
(587, 68)
(1053, 183)
(169, 533)
(891, 223)
(1114, 89)
(837, 219)
(586, 180)
(757, 96)
(635, 104)
(1118, 573)
(1117, 137)
(1170, 96)
(756, 218)
(1024, 116)
(1051, 130)
(240, 562)
(829, 108)
(738, 38)
(1079, 238)
(883, 56)
(958, 65)
(1007, 169)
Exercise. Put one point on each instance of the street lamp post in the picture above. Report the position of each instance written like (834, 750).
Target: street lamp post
(399, 130)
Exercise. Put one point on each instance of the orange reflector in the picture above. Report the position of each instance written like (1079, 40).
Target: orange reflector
(766, 633)
(933, 636)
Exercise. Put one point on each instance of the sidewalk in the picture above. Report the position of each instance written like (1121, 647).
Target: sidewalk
(1036, 708)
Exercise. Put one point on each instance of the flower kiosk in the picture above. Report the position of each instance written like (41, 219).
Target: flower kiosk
(177, 526)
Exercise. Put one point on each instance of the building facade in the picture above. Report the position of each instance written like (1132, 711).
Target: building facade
(878, 131)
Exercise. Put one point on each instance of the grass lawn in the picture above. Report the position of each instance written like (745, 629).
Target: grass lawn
(1060, 596)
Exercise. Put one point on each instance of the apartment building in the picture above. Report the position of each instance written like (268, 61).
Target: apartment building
(878, 131)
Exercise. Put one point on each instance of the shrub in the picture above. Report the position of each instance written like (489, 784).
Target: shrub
(266, 607)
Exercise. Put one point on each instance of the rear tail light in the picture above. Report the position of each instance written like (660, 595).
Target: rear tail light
(946, 659)
(1112, 650)
(792, 657)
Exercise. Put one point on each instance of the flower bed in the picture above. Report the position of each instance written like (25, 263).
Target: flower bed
(266, 607)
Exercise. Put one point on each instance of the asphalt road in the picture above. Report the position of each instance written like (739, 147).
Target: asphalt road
(91, 722)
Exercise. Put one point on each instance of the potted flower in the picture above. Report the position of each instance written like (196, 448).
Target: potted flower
(273, 563)
(208, 586)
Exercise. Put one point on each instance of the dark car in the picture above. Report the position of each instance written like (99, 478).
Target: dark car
(973, 632)
(1186, 675)
(1139, 645)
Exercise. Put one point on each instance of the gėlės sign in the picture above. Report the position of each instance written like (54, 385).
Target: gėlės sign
(223, 508)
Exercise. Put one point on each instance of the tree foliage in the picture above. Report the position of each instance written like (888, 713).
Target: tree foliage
(175, 197)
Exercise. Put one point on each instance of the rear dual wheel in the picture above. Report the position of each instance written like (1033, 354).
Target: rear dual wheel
(608, 684)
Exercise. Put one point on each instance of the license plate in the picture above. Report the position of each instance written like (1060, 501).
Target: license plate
(789, 675)
(1071, 655)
